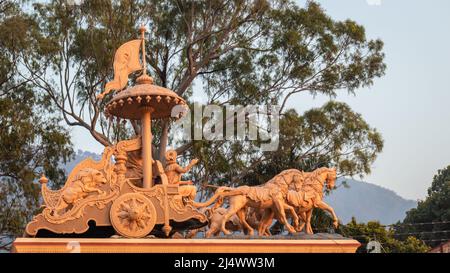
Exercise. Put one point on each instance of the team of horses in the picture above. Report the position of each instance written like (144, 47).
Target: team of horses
(292, 191)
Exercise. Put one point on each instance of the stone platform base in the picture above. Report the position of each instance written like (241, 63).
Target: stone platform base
(65, 245)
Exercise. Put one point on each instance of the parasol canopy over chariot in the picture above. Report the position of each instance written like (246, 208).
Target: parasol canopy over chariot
(127, 189)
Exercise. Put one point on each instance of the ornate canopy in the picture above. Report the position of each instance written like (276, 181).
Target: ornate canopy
(128, 104)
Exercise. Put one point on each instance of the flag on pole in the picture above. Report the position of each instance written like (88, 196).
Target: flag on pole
(126, 61)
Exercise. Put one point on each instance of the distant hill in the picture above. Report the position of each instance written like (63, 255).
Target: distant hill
(363, 200)
(79, 156)
(368, 202)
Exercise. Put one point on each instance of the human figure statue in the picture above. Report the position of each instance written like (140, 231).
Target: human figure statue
(174, 171)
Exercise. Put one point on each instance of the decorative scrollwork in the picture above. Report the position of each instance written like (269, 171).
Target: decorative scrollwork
(128, 145)
(177, 204)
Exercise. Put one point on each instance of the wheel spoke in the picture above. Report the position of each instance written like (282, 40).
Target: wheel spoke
(141, 224)
(123, 214)
(132, 225)
(146, 215)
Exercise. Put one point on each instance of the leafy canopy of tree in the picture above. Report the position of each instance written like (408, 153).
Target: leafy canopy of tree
(329, 135)
(374, 231)
(364, 233)
(238, 52)
(430, 221)
(31, 137)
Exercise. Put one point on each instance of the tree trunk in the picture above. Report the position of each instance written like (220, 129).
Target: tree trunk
(100, 138)
(164, 140)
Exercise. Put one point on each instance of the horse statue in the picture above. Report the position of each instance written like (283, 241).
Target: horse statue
(271, 195)
(305, 195)
(312, 190)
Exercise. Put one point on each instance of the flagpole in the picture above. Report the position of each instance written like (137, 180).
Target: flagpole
(143, 29)
(146, 123)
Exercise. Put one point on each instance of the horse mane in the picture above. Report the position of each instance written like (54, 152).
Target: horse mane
(310, 176)
(288, 171)
(319, 171)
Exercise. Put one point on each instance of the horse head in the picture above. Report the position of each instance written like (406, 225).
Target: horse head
(331, 178)
(326, 177)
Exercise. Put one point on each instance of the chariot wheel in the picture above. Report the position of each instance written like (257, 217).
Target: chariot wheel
(133, 215)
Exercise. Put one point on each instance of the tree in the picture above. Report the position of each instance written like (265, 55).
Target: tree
(332, 135)
(240, 52)
(32, 140)
(430, 221)
(374, 231)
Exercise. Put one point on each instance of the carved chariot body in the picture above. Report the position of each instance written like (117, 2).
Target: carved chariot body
(101, 192)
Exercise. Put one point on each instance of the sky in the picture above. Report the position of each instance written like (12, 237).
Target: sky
(409, 106)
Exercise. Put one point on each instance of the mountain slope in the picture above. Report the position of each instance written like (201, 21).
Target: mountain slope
(368, 202)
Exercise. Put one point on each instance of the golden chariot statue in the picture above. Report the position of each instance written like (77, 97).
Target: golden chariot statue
(138, 197)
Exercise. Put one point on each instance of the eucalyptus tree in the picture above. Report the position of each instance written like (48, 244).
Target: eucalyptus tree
(32, 138)
(234, 53)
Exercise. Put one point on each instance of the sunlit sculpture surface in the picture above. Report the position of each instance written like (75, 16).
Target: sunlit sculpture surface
(138, 196)
(292, 190)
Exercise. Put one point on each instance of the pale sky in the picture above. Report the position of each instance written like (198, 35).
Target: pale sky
(410, 105)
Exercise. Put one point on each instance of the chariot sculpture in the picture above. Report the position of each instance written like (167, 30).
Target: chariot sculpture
(133, 194)
(138, 196)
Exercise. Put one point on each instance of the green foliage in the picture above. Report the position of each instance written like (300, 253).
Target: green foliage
(436, 206)
(332, 135)
(32, 140)
(321, 221)
(241, 52)
(374, 231)
(430, 221)
(301, 49)
(296, 50)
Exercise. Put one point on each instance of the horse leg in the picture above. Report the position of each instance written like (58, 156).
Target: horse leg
(279, 206)
(303, 216)
(265, 221)
(235, 205)
(268, 223)
(212, 230)
(267, 231)
(325, 206)
(241, 214)
(261, 223)
(293, 213)
(308, 222)
(231, 211)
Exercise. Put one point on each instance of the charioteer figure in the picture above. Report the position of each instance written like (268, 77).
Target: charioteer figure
(174, 172)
